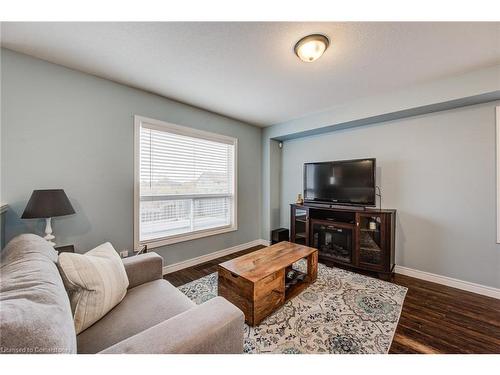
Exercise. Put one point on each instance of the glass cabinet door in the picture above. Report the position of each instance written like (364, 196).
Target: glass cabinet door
(300, 233)
(371, 246)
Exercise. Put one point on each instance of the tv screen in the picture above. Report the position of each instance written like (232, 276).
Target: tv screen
(344, 182)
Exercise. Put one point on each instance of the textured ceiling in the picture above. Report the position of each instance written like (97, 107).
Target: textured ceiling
(248, 70)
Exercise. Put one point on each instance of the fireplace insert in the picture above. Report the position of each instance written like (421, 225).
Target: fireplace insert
(333, 242)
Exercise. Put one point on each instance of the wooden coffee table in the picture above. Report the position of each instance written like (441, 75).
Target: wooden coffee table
(257, 282)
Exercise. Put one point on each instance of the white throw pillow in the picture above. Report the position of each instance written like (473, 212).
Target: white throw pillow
(96, 282)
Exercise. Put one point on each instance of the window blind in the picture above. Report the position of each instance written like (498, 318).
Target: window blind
(186, 183)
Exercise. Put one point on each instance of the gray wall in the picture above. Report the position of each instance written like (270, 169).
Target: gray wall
(271, 189)
(438, 171)
(66, 129)
(478, 86)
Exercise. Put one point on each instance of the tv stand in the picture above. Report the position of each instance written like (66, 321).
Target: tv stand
(355, 237)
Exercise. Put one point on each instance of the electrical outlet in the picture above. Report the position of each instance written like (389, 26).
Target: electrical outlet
(123, 253)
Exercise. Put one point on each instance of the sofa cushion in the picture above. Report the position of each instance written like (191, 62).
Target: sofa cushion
(143, 307)
(35, 313)
(96, 282)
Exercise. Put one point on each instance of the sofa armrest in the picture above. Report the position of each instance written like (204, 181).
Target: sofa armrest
(215, 326)
(143, 268)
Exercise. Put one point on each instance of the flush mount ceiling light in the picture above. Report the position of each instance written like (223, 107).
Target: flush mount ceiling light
(311, 47)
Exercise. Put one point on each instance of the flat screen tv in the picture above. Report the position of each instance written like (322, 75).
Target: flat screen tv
(350, 182)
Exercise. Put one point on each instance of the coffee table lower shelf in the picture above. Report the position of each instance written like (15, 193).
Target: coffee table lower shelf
(296, 289)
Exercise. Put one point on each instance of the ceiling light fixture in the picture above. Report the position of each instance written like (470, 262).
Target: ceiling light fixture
(311, 47)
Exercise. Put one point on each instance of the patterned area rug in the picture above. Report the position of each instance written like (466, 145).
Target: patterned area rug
(342, 312)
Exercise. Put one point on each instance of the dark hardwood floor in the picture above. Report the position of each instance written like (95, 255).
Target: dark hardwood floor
(435, 318)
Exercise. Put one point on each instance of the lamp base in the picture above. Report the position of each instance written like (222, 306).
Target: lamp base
(48, 232)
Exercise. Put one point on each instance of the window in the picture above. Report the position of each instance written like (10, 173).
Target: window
(185, 183)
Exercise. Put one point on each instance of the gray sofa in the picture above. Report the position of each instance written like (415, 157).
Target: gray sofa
(154, 316)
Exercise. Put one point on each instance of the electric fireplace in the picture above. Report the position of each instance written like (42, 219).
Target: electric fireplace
(334, 242)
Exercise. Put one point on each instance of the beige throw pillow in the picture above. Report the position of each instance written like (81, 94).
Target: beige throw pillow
(96, 282)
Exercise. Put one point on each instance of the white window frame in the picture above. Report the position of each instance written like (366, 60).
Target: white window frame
(190, 132)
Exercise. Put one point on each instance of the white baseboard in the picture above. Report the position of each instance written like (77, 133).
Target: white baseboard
(205, 258)
(449, 281)
(265, 242)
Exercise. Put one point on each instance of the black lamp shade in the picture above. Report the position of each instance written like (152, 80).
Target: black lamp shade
(47, 203)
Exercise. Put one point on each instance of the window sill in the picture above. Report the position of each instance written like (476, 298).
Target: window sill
(152, 244)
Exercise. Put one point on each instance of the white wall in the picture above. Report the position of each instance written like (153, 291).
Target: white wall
(438, 171)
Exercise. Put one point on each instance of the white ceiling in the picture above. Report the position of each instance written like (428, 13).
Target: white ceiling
(248, 71)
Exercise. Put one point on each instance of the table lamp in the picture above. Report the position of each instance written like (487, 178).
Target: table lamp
(46, 204)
